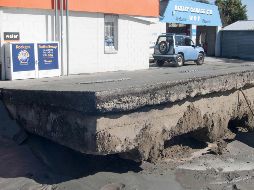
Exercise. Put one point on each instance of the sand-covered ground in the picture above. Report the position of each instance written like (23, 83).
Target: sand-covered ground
(39, 164)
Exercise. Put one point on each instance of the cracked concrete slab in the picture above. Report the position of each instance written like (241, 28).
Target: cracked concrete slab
(134, 117)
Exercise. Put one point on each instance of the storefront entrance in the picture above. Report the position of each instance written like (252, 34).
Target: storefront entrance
(206, 37)
(200, 21)
(179, 29)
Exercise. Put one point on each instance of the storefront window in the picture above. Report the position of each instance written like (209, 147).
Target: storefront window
(111, 33)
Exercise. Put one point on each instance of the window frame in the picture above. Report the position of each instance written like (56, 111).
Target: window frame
(114, 19)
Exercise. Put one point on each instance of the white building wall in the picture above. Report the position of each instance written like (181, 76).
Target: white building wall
(33, 25)
(86, 38)
(155, 30)
(133, 43)
(1, 47)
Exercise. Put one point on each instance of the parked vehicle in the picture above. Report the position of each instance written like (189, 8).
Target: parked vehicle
(177, 49)
(151, 51)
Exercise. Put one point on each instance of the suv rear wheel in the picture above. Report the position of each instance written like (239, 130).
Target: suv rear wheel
(179, 61)
(160, 63)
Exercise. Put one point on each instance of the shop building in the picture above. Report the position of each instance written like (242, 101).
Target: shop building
(201, 21)
(106, 35)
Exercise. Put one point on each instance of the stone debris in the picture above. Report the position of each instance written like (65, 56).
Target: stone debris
(235, 187)
(114, 186)
(219, 148)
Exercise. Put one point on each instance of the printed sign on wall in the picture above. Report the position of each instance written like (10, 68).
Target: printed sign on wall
(191, 12)
(11, 36)
(23, 57)
(47, 56)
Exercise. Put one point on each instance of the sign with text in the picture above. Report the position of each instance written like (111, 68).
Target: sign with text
(190, 12)
(11, 36)
(23, 57)
(47, 56)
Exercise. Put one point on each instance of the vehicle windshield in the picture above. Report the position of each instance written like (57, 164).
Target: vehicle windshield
(168, 39)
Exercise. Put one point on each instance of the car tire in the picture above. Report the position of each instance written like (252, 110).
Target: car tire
(201, 59)
(163, 47)
(160, 63)
(179, 61)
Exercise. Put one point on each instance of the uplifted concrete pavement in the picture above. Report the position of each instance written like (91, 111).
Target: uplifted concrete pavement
(133, 112)
(38, 165)
(126, 91)
(123, 80)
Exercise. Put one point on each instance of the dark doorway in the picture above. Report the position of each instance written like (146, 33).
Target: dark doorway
(206, 37)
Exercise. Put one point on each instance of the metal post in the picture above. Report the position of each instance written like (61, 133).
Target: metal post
(62, 36)
(56, 18)
(67, 37)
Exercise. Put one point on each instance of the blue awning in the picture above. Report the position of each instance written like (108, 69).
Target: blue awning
(191, 12)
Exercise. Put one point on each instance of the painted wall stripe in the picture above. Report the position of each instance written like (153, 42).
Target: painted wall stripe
(130, 7)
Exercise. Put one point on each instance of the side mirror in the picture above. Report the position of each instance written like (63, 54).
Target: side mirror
(194, 46)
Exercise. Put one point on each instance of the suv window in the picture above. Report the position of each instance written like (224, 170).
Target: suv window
(188, 42)
(183, 41)
(179, 40)
(168, 39)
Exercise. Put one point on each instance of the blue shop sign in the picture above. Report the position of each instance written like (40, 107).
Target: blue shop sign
(23, 57)
(48, 56)
(190, 12)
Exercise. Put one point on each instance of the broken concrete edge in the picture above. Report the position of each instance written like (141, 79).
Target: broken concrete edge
(80, 101)
(130, 99)
(204, 118)
(201, 106)
(170, 92)
(137, 135)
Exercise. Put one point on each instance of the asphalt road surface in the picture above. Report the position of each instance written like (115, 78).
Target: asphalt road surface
(129, 79)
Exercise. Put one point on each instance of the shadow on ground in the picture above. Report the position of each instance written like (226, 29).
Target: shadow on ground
(49, 163)
(246, 138)
(169, 64)
(242, 133)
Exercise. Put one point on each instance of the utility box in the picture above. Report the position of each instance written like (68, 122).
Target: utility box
(20, 61)
(48, 59)
(31, 60)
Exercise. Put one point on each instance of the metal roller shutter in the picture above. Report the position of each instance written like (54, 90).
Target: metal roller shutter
(237, 44)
